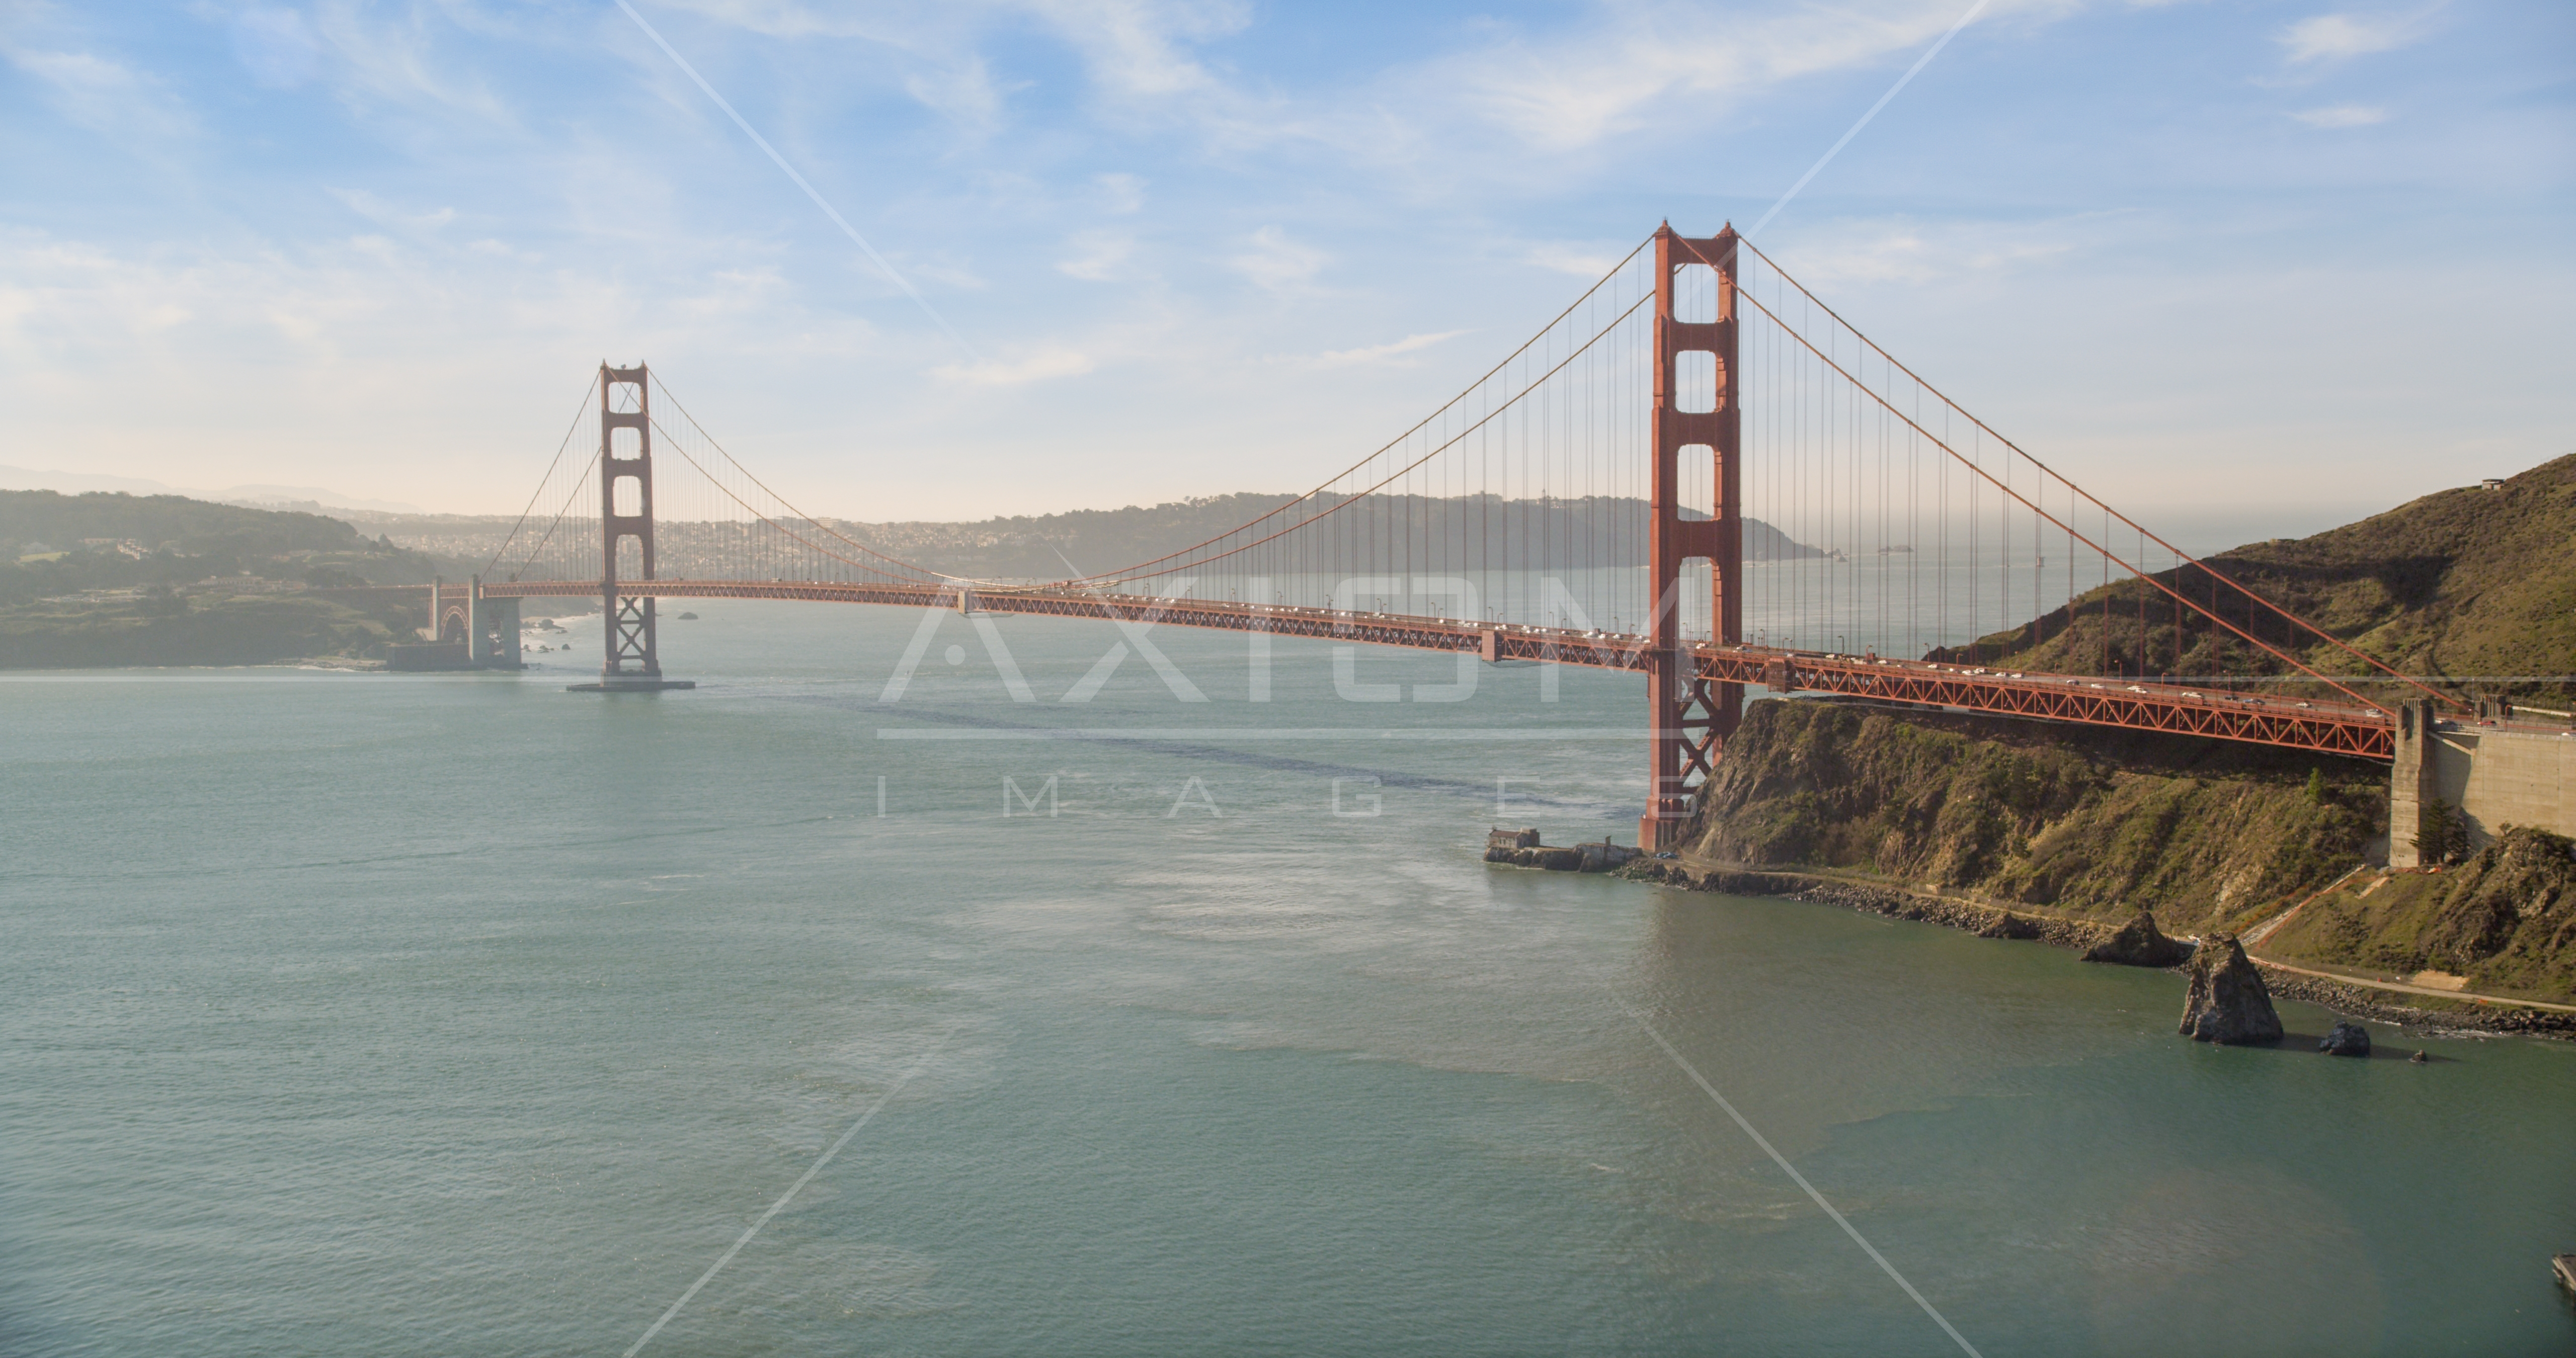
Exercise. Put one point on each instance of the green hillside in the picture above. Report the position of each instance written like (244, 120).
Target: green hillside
(2473, 584)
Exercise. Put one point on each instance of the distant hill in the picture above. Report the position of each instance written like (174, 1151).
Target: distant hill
(51, 543)
(1601, 530)
(256, 496)
(1456, 533)
(30, 518)
(2475, 584)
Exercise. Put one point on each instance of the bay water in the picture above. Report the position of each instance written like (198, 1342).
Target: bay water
(357, 1014)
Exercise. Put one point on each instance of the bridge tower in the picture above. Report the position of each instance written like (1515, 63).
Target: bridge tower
(1691, 717)
(634, 662)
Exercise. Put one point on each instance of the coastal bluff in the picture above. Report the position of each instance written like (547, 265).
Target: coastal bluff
(2097, 825)
(2021, 830)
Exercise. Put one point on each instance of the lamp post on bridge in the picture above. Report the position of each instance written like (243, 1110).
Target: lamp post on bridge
(634, 661)
(1691, 718)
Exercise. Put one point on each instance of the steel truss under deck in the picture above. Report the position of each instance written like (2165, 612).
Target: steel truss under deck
(2326, 728)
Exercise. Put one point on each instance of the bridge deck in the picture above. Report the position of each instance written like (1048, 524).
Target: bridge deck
(2361, 732)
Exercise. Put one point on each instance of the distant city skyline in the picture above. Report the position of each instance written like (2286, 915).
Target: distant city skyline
(2272, 264)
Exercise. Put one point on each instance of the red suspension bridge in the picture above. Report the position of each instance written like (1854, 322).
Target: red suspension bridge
(1697, 472)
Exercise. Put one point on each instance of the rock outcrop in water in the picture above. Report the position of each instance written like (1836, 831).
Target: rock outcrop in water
(2228, 1002)
(2346, 1039)
(2139, 943)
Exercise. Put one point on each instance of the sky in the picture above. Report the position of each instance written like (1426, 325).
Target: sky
(2276, 263)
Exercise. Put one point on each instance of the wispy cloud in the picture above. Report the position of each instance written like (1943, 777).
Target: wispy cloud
(1921, 252)
(1120, 193)
(1279, 264)
(961, 91)
(1565, 92)
(382, 213)
(1139, 49)
(276, 46)
(1136, 53)
(1098, 256)
(1041, 365)
(2335, 37)
(1578, 260)
(1380, 353)
(951, 272)
(2342, 115)
(272, 355)
(401, 62)
(107, 96)
(789, 18)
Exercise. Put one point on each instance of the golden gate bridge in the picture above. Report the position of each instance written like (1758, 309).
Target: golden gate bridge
(1695, 447)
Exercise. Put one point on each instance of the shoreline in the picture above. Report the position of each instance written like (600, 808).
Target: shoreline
(2503, 1017)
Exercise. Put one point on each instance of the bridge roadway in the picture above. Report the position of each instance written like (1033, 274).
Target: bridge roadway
(2328, 728)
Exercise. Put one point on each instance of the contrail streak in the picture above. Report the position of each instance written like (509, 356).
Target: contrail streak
(1821, 162)
(793, 1189)
(828, 210)
(1792, 1170)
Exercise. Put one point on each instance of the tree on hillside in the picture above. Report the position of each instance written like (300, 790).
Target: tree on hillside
(2441, 836)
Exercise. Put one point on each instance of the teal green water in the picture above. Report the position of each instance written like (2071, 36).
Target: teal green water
(365, 1014)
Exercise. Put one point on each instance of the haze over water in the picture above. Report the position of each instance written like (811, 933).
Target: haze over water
(385, 1015)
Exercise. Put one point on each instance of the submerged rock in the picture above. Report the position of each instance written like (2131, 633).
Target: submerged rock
(2140, 944)
(2345, 1039)
(2228, 1001)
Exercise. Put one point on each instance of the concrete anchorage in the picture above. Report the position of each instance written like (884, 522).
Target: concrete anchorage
(2488, 775)
(470, 632)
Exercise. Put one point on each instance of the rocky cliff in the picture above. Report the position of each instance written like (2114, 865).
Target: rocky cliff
(2094, 824)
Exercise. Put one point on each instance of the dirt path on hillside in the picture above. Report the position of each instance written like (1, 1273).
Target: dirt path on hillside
(2404, 988)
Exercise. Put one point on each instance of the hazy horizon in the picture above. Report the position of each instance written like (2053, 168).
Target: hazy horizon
(2200, 533)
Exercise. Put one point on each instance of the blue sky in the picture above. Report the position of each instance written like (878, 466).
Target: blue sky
(2286, 262)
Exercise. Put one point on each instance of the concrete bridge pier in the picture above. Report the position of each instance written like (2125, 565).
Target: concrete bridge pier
(2488, 773)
